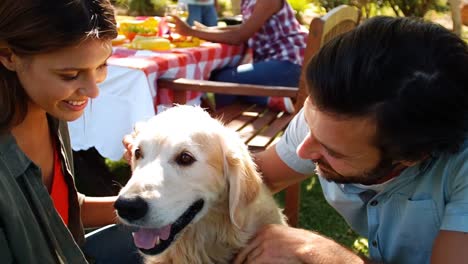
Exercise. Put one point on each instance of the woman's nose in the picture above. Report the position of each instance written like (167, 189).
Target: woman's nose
(89, 86)
(309, 149)
(89, 89)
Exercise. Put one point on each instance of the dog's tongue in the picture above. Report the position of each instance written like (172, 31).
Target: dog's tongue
(146, 237)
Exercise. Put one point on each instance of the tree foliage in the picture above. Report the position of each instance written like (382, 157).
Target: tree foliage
(416, 8)
(143, 7)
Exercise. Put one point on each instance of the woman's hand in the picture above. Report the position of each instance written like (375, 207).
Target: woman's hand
(181, 27)
(198, 25)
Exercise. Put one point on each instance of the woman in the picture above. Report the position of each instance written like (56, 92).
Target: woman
(53, 54)
(276, 39)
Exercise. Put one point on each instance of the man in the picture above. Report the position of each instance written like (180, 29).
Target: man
(385, 127)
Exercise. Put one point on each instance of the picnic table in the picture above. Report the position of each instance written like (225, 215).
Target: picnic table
(130, 93)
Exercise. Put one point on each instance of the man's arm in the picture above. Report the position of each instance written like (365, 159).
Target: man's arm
(283, 244)
(450, 247)
(276, 174)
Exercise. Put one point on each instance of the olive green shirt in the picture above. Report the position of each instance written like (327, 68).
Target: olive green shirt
(31, 230)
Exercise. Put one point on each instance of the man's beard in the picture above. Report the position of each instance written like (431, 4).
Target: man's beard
(369, 177)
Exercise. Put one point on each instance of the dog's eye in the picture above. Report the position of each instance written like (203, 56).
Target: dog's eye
(185, 159)
(138, 155)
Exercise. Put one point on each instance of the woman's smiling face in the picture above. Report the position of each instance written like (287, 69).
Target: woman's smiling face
(62, 82)
(342, 148)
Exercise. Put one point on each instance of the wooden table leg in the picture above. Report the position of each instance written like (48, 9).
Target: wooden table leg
(291, 208)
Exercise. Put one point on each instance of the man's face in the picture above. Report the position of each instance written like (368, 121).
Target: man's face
(342, 148)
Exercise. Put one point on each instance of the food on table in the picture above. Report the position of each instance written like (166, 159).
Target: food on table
(132, 28)
(145, 33)
(119, 40)
(120, 18)
(150, 43)
(181, 41)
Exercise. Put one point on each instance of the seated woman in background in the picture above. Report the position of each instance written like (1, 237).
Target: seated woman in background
(277, 40)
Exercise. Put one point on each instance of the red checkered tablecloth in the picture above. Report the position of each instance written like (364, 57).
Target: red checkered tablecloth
(194, 63)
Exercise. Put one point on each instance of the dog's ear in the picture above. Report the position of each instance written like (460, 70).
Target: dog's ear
(243, 178)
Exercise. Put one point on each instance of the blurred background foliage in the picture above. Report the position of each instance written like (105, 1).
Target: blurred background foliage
(141, 7)
(417, 8)
(434, 10)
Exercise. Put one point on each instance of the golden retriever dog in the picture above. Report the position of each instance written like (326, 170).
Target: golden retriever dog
(195, 194)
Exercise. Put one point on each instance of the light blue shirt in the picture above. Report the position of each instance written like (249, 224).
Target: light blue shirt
(401, 219)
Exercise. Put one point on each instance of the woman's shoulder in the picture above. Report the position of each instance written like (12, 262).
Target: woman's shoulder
(13, 161)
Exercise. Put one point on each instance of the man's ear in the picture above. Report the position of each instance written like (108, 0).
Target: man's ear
(8, 59)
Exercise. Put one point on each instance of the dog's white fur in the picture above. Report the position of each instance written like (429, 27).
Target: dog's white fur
(237, 203)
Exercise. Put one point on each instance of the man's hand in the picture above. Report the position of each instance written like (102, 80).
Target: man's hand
(283, 244)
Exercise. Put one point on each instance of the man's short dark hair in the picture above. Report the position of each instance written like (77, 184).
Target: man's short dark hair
(411, 76)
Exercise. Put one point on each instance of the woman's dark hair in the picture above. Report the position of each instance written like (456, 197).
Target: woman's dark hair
(30, 27)
(409, 75)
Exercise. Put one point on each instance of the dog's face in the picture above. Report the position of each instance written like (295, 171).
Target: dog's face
(183, 162)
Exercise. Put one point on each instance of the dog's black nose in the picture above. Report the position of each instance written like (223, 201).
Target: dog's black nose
(131, 208)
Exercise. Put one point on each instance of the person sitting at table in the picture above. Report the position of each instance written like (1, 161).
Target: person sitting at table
(202, 11)
(277, 41)
(52, 56)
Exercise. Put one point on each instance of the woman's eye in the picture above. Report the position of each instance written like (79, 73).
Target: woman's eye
(185, 159)
(138, 154)
(70, 77)
(103, 66)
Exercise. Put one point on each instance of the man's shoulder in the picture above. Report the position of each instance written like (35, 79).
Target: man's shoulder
(448, 171)
(455, 160)
(464, 147)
